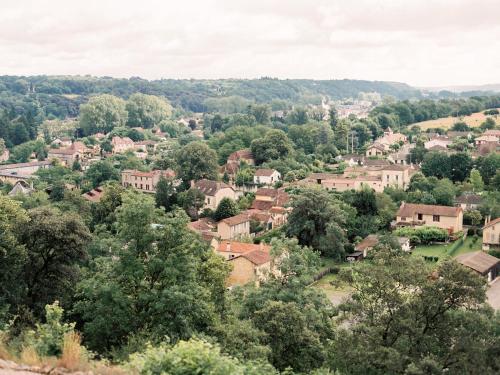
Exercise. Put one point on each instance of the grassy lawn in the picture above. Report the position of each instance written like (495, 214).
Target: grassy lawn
(330, 284)
(466, 247)
(440, 250)
(431, 250)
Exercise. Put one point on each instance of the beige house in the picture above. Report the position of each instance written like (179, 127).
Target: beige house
(491, 234)
(234, 227)
(419, 215)
(240, 156)
(396, 175)
(214, 192)
(441, 141)
(121, 145)
(144, 181)
(375, 149)
(252, 266)
(232, 249)
(390, 138)
(265, 176)
(343, 183)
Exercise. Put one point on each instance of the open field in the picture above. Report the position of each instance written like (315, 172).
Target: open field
(331, 285)
(473, 121)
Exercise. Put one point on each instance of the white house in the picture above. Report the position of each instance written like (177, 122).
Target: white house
(266, 176)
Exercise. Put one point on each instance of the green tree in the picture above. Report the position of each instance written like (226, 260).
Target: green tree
(317, 220)
(476, 180)
(444, 192)
(460, 166)
(102, 113)
(436, 164)
(165, 195)
(100, 172)
(55, 243)
(147, 111)
(274, 145)
(196, 161)
(226, 208)
(402, 332)
(192, 202)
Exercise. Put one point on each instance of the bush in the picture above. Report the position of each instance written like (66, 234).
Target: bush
(425, 235)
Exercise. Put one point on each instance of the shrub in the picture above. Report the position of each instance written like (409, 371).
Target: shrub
(425, 235)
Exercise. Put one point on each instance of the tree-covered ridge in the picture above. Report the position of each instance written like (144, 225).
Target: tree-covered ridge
(192, 94)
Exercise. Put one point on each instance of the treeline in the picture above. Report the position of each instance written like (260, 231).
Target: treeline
(406, 112)
(192, 95)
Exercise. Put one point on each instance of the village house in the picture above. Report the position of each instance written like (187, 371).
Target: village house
(252, 266)
(145, 181)
(484, 139)
(94, 195)
(232, 249)
(402, 156)
(206, 227)
(121, 145)
(375, 150)
(491, 233)
(484, 264)
(12, 173)
(372, 240)
(493, 132)
(240, 156)
(266, 177)
(214, 192)
(444, 217)
(266, 198)
(468, 201)
(390, 138)
(234, 227)
(441, 141)
(351, 159)
(21, 187)
(77, 151)
(397, 175)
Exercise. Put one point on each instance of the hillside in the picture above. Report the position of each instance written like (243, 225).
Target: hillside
(473, 120)
(193, 94)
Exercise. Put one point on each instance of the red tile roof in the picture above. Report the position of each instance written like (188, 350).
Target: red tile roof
(257, 257)
(410, 209)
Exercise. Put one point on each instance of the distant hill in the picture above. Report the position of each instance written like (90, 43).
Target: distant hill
(494, 87)
(193, 94)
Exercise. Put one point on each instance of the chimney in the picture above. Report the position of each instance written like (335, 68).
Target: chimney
(228, 246)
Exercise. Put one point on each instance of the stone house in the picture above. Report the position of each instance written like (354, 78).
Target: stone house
(419, 215)
(267, 177)
(214, 192)
(250, 267)
(234, 227)
(375, 149)
(491, 233)
(144, 181)
(121, 145)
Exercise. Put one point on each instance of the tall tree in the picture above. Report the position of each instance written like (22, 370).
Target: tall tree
(147, 111)
(196, 161)
(102, 113)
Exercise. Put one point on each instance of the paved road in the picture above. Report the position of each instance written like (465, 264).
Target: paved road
(493, 294)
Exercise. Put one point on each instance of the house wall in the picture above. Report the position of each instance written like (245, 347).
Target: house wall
(212, 201)
(373, 152)
(141, 183)
(242, 273)
(400, 179)
(445, 222)
(491, 235)
(227, 232)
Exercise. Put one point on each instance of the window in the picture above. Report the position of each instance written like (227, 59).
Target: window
(435, 217)
(420, 216)
(397, 177)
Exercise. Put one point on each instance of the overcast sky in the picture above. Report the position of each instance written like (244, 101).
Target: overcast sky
(421, 42)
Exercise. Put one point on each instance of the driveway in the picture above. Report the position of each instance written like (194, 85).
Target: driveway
(493, 294)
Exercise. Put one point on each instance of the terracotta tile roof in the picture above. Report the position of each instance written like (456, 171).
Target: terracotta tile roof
(410, 209)
(241, 154)
(262, 205)
(378, 146)
(122, 141)
(203, 224)
(493, 132)
(375, 162)
(241, 247)
(257, 257)
(267, 192)
(235, 220)
(264, 172)
(478, 261)
(396, 167)
(169, 173)
(94, 195)
(210, 187)
(492, 222)
(321, 176)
